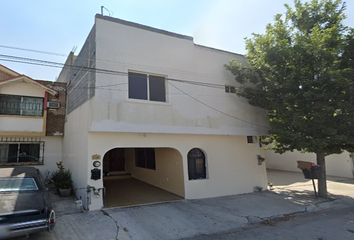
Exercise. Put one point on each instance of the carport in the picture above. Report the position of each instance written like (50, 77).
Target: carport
(135, 176)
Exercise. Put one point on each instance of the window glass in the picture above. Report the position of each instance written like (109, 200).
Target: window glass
(20, 153)
(157, 88)
(249, 139)
(18, 105)
(230, 89)
(146, 87)
(196, 164)
(10, 105)
(31, 106)
(137, 86)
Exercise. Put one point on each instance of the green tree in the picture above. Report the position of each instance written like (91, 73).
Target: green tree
(301, 71)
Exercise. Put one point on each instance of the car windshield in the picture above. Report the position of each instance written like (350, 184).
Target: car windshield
(17, 184)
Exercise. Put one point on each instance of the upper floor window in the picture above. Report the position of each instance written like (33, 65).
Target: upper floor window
(230, 89)
(146, 87)
(19, 105)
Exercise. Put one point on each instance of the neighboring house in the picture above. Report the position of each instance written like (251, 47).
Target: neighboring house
(154, 104)
(32, 116)
(340, 165)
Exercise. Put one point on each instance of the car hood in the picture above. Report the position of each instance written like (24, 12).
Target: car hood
(18, 201)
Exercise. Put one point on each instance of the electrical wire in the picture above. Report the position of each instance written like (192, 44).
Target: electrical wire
(215, 109)
(109, 61)
(106, 71)
(32, 50)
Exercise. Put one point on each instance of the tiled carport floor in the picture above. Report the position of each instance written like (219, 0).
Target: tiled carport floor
(130, 191)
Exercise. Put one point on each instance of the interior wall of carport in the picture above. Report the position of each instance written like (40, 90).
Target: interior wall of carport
(168, 174)
(232, 166)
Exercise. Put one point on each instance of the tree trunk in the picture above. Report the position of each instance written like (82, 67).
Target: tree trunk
(322, 181)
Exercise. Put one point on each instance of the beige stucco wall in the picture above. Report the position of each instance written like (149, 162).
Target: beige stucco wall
(169, 170)
(21, 124)
(231, 162)
(22, 89)
(336, 165)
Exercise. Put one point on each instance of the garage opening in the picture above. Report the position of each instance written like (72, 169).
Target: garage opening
(139, 175)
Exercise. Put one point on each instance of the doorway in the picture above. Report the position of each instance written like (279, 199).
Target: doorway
(114, 162)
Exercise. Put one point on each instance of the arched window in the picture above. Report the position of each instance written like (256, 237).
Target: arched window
(196, 164)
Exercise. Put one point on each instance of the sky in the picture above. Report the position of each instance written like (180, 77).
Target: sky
(61, 26)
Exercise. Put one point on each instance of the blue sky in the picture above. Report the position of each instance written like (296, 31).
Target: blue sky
(59, 26)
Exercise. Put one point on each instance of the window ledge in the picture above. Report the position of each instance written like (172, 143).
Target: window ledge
(131, 100)
(20, 116)
(21, 164)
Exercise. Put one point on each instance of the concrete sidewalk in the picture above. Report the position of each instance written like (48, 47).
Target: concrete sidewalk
(193, 218)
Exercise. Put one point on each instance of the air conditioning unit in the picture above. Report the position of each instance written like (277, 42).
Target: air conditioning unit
(53, 104)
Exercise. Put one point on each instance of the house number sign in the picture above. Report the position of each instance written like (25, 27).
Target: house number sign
(96, 157)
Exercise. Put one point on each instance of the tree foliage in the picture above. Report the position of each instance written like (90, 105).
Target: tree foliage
(301, 71)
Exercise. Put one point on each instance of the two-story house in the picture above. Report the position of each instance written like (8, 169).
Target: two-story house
(154, 104)
(32, 115)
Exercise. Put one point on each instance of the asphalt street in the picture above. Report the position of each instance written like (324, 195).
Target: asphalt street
(322, 225)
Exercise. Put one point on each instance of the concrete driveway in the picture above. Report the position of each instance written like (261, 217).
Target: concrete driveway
(291, 194)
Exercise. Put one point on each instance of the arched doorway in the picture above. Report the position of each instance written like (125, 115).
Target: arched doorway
(114, 162)
(142, 175)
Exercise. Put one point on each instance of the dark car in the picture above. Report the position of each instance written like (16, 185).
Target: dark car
(25, 206)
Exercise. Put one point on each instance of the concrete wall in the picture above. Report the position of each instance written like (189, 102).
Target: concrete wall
(340, 165)
(231, 162)
(193, 109)
(75, 147)
(81, 78)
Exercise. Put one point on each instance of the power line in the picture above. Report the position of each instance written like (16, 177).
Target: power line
(215, 109)
(90, 69)
(37, 51)
(100, 60)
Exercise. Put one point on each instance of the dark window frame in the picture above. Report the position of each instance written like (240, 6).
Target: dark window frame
(146, 86)
(197, 167)
(21, 153)
(145, 158)
(230, 89)
(21, 105)
(250, 139)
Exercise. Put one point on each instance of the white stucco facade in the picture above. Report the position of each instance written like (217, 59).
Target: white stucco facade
(197, 113)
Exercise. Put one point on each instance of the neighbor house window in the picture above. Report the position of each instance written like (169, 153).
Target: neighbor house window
(196, 164)
(250, 139)
(145, 158)
(14, 153)
(19, 105)
(230, 89)
(147, 87)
